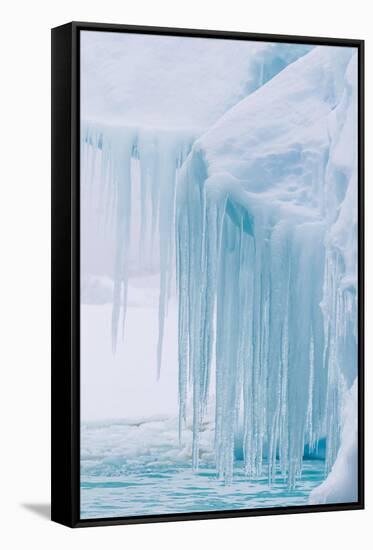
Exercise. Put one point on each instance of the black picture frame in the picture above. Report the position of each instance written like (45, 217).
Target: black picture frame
(65, 470)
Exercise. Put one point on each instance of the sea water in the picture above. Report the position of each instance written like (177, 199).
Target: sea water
(139, 468)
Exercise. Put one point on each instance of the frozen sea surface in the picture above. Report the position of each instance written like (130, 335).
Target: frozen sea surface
(138, 468)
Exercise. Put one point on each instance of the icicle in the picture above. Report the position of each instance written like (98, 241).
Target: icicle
(339, 322)
(310, 393)
(160, 155)
(279, 288)
(196, 244)
(145, 173)
(121, 150)
(257, 271)
(182, 270)
(167, 174)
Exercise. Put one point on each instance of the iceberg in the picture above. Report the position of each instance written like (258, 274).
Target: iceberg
(244, 202)
(266, 270)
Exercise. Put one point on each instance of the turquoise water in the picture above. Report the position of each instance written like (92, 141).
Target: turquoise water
(181, 490)
(140, 469)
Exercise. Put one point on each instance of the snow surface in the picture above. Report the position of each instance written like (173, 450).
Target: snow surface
(172, 82)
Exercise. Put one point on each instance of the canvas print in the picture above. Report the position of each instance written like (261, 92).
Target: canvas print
(218, 230)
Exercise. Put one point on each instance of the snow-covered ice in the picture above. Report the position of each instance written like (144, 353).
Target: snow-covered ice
(262, 198)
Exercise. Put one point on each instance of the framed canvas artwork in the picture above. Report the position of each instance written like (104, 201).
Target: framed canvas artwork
(207, 274)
